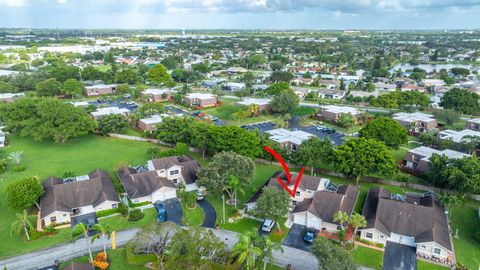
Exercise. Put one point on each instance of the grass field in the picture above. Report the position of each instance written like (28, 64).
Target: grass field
(192, 217)
(103, 68)
(226, 113)
(80, 156)
(467, 221)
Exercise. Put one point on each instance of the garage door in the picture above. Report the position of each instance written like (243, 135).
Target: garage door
(164, 195)
(299, 219)
(313, 223)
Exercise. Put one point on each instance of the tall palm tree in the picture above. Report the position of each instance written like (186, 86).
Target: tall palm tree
(82, 230)
(246, 250)
(341, 217)
(22, 222)
(450, 201)
(232, 188)
(357, 221)
(102, 230)
(268, 247)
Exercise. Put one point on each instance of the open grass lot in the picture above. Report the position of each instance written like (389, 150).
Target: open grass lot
(118, 261)
(226, 113)
(103, 68)
(81, 156)
(192, 217)
(465, 218)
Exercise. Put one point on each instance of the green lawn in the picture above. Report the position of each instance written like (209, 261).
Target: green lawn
(242, 225)
(103, 68)
(466, 220)
(118, 261)
(193, 217)
(226, 113)
(121, 223)
(81, 156)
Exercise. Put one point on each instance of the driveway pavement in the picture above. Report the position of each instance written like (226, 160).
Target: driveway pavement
(294, 238)
(210, 214)
(399, 257)
(174, 210)
(336, 138)
(264, 126)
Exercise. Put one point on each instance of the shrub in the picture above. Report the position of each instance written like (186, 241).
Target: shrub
(34, 234)
(49, 229)
(135, 205)
(107, 212)
(100, 261)
(19, 168)
(234, 212)
(123, 209)
(476, 236)
(135, 215)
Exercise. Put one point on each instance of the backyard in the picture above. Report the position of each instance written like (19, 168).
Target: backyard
(227, 110)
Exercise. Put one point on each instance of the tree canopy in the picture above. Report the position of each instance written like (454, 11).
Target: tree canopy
(461, 100)
(386, 130)
(285, 102)
(462, 175)
(272, 204)
(24, 193)
(49, 88)
(331, 255)
(112, 123)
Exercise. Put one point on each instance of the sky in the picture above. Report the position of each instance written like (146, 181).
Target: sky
(241, 14)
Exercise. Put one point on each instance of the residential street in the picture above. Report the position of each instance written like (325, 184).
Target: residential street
(298, 258)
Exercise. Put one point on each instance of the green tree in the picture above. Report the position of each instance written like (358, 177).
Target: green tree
(102, 230)
(24, 193)
(386, 130)
(49, 88)
(246, 250)
(460, 71)
(200, 136)
(332, 256)
(277, 88)
(285, 102)
(357, 221)
(447, 117)
(462, 175)
(122, 89)
(158, 74)
(80, 230)
(272, 204)
(127, 76)
(175, 129)
(313, 152)
(256, 59)
(303, 111)
(73, 87)
(360, 157)
(461, 100)
(22, 222)
(233, 138)
(281, 76)
(268, 246)
(346, 120)
(341, 217)
(112, 123)
(7, 87)
(449, 202)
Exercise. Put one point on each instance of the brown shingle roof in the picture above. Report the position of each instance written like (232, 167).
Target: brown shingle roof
(142, 184)
(61, 196)
(189, 170)
(325, 204)
(423, 218)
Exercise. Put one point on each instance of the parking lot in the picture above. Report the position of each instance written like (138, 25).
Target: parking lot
(264, 126)
(295, 236)
(129, 105)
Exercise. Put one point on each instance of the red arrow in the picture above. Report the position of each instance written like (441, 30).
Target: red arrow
(287, 171)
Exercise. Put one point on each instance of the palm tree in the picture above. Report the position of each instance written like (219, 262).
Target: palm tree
(268, 247)
(450, 201)
(232, 188)
(79, 230)
(102, 230)
(341, 217)
(246, 250)
(357, 221)
(254, 109)
(22, 222)
(16, 157)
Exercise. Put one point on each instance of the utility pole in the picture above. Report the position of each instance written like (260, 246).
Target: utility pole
(223, 199)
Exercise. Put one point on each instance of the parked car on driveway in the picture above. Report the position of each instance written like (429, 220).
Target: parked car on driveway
(162, 213)
(320, 128)
(310, 235)
(199, 195)
(267, 225)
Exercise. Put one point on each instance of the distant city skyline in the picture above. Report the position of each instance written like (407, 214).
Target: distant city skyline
(241, 14)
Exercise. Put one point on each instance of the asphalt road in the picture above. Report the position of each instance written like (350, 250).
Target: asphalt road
(43, 258)
(210, 214)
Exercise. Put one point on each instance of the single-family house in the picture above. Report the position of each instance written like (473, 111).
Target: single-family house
(473, 124)
(301, 92)
(419, 158)
(100, 112)
(331, 94)
(385, 87)
(416, 121)
(159, 179)
(318, 211)
(457, 136)
(100, 89)
(290, 140)
(262, 103)
(75, 196)
(234, 86)
(149, 123)
(413, 219)
(158, 95)
(333, 112)
(200, 100)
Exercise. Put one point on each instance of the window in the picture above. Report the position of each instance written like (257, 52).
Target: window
(423, 247)
(174, 172)
(369, 235)
(114, 205)
(437, 251)
(298, 193)
(53, 219)
(381, 236)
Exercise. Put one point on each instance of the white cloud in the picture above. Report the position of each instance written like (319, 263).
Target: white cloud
(13, 3)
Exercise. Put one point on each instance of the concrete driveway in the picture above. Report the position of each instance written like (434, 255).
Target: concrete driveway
(294, 238)
(399, 257)
(174, 210)
(210, 214)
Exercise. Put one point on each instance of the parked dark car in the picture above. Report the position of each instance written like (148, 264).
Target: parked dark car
(310, 235)
(162, 213)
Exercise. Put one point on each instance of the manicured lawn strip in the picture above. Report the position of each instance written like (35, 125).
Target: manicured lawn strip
(242, 225)
(467, 250)
(120, 222)
(192, 217)
(422, 265)
(81, 156)
(368, 257)
(118, 261)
